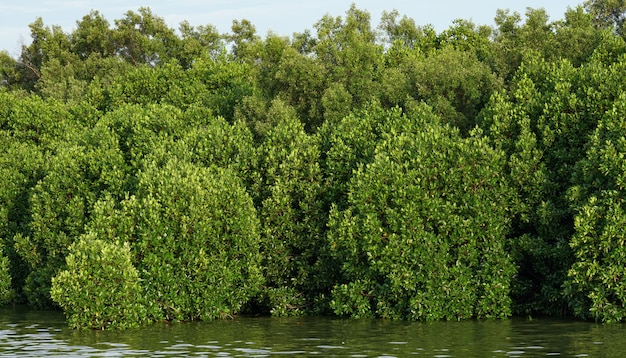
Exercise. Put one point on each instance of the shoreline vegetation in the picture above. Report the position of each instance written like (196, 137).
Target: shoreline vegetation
(151, 174)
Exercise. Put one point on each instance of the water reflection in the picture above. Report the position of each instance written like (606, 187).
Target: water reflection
(25, 333)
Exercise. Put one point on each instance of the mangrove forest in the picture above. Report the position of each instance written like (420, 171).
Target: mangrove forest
(356, 169)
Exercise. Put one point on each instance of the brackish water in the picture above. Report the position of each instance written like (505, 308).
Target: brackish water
(29, 333)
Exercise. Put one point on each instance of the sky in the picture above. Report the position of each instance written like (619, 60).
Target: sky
(283, 17)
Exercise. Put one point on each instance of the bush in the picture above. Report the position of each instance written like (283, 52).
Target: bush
(20, 169)
(210, 141)
(61, 204)
(288, 194)
(595, 286)
(456, 84)
(29, 119)
(139, 129)
(100, 289)
(423, 234)
(544, 124)
(195, 240)
(6, 293)
(352, 142)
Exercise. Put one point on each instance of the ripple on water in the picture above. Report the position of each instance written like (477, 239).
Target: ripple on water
(167, 353)
(106, 354)
(329, 347)
(208, 346)
(6, 332)
(514, 353)
(116, 345)
(253, 351)
(181, 345)
(33, 339)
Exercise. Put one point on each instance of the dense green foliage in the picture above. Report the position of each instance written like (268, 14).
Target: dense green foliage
(290, 209)
(423, 236)
(195, 239)
(151, 174)
(100, 288)
(595, 280)
(5, 280)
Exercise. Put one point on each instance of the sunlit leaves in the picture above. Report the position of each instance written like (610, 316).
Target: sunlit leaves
(595, 284)
(422, 236)
(197, 240)
(100, 288)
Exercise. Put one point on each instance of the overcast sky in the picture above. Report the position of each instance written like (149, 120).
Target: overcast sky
(284, 17)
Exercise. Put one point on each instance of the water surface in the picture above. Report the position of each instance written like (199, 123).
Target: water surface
(25, 332)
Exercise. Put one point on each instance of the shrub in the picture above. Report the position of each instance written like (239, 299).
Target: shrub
(195, 240)
(544, 123)
(20, 169)
(423, 234)
(352, 142)
(210, 141)
(100, 288)
(29, 119)
(596, 287)
(456, 84)
(61, 203)
(6, 293)
(139, 129)
(288, 196)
